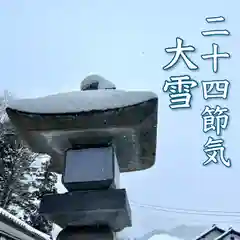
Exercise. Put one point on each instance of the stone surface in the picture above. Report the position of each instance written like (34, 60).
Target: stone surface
(133, 128)
(90, 169)
(86, 233)
(82, 208)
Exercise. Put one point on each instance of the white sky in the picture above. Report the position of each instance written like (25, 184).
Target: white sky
(50, 46)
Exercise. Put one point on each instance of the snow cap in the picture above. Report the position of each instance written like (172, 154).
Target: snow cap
(94, 82)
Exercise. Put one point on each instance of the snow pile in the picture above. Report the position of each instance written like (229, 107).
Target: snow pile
(82, 101)
(101, 82)
(164, 237)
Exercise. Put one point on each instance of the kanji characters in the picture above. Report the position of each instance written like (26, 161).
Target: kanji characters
(214, 148)
(180, 51)
(180, 91)
(215, 119)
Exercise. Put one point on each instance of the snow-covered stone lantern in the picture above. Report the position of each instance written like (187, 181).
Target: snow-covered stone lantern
(92, 136)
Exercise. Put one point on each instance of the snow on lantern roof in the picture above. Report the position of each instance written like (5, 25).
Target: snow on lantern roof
(81, 101)
(98, 81)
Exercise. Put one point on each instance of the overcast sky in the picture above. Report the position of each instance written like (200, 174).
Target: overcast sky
(50, 46)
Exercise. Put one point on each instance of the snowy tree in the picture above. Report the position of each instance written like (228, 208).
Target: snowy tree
(22, 185)
(15, 169)
(15, 164)
(44, 184)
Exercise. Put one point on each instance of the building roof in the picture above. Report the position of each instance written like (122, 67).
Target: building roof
(17, 223)
(230, 231)
(213, 228)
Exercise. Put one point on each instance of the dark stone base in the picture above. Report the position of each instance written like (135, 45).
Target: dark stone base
(87, 208)
(86, 233)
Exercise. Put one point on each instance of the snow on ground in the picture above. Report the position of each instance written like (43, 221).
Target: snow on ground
(82, 101)
(164, 237)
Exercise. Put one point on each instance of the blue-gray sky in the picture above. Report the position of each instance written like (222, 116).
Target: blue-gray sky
(50, 46)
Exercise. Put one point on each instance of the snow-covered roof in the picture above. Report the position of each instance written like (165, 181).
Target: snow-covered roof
(23, 225)
(225, 234)
(213, 228)
(82, 101)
